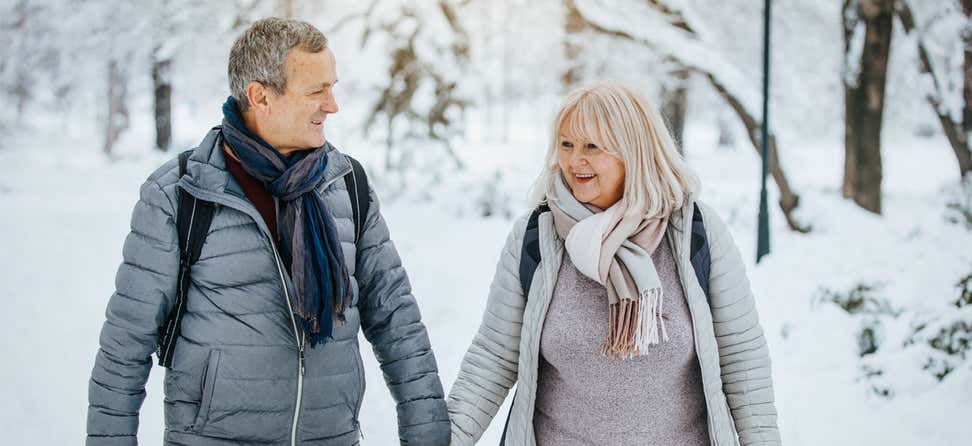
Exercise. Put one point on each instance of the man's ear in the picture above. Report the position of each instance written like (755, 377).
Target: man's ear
(256, 95)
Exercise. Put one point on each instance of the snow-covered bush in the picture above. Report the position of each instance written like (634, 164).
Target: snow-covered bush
(907, 349)
(958, 205)
(863, 300)
(948, 334)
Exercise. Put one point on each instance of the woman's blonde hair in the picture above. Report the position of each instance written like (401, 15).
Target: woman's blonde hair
(624, 124)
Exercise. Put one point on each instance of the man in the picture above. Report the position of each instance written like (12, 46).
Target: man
(267, 350)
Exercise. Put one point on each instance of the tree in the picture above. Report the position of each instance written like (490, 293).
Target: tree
(952, 106)
(867, 45)
(675, 105)
(674, 84)
(429, 48)
(19, 87)
(116, 120)
(29, 34)
(675, 91)
(683, 44)
(172, 24)
(162, 93)
(573, 27)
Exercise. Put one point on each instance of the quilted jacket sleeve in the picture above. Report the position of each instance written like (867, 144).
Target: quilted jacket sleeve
(489, 368)
(145, 287)
(744, 356)
(391, 321)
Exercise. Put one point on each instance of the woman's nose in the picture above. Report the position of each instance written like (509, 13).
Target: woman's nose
(577, 158)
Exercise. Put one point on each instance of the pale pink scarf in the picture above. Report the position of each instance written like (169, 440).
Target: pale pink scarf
(614, 248)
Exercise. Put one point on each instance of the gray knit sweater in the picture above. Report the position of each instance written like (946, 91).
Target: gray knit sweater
(585, 398)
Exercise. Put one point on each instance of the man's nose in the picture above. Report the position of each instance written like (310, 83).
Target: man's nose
(329, 105)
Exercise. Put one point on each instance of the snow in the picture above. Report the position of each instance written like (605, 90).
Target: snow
(66, 207)
(67, 214)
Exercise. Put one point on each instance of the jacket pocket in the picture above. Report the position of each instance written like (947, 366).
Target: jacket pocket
(209, 382)
(361, 385)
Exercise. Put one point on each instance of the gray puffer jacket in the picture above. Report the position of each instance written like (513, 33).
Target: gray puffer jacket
(235, 376)
(729, 342)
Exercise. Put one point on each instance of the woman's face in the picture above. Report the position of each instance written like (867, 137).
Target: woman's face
(594, 176)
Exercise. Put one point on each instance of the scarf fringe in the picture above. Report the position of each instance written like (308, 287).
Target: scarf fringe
(635, 325)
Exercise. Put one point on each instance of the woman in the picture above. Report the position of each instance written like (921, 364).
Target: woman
(617, 342)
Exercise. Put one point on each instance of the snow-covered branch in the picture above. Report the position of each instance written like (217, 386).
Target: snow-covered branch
(683, 45)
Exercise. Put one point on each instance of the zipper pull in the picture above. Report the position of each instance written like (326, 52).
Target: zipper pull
(301, 359)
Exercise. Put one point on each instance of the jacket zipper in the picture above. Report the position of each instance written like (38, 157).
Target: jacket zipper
(301, 341)
(300, 389)
(300, 346)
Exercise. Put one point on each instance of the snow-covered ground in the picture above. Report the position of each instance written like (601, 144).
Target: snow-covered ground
(65, 213)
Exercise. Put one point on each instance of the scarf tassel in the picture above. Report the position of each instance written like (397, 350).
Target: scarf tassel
(635, 325)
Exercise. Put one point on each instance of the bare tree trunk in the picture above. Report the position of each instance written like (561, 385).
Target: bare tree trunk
(21, 85)
(163, 103)
(789, 200)
(674, 104)
(964, 153)
(864, 107)
(851, 21)
(675, 99)
(117, 121)
(957, 133)
(573, 25)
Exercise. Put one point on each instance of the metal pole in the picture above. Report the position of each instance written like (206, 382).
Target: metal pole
(763, 233)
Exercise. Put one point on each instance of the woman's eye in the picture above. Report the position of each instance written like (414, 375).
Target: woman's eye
(567, 145)
(592, 147)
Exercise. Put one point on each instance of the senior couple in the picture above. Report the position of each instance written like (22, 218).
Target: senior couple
(620, 305)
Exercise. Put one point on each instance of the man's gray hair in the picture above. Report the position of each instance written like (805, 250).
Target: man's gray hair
(260, 52)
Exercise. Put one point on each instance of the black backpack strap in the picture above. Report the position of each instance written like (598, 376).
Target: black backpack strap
(699, 255)
(193, 220)
(529, 260)
(357, 183)
(530, 253)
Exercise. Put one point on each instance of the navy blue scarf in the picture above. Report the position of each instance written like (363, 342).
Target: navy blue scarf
(308, 236)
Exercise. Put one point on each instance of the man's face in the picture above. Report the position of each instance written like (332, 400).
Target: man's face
(294, 120)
